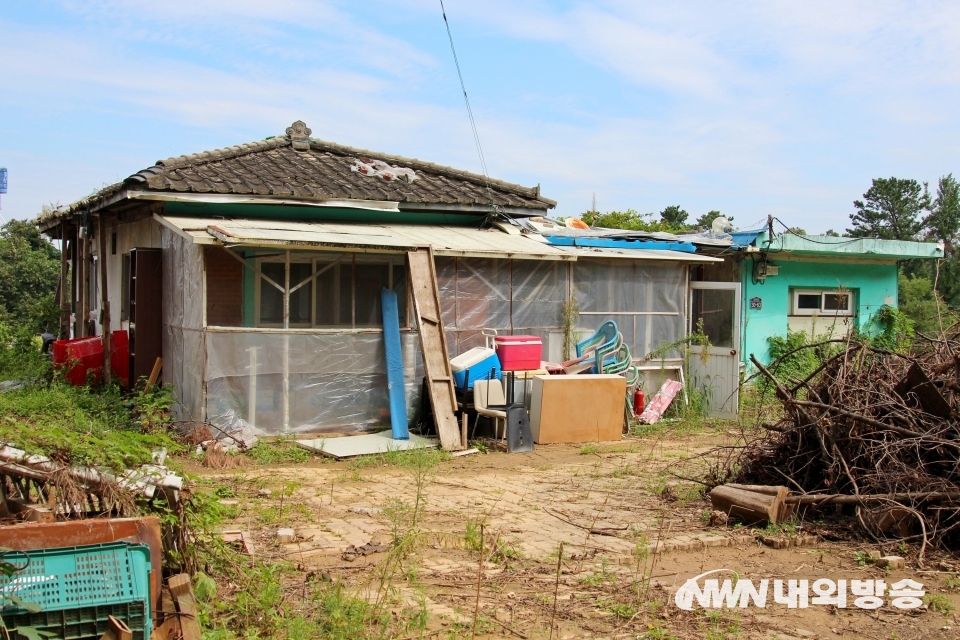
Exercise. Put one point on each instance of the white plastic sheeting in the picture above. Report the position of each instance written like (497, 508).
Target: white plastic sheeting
(301, 381)
(511, 296)
(334, 382)
(645, 299)
(182, 313)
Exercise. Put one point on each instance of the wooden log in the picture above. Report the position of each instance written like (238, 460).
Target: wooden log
(749, 506)
(786, 509)
(820, 499)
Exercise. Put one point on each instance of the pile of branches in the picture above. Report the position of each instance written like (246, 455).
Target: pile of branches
(873, 429)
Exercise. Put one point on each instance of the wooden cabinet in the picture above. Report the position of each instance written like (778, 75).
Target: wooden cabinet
(145, 286)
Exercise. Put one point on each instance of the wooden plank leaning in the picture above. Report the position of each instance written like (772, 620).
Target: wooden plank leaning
(433, 343)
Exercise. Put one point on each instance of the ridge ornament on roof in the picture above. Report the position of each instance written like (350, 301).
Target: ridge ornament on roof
(299, 134)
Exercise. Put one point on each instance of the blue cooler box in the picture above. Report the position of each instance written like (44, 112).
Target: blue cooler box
(477, 362)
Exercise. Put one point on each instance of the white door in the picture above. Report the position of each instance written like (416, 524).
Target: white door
(717, 305)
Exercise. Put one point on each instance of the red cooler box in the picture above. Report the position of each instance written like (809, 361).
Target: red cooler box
(519, 353)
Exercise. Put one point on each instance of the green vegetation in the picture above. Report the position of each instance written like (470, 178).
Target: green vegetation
(890, 210)
(922, 306)
(939, 603)
(279, 451)
(262, 608)
(29, 272)
(672, 219)
(78, 426)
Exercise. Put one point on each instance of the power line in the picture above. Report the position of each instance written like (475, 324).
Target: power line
(463, 87)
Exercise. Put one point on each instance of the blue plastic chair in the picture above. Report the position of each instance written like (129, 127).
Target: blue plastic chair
(606, 334)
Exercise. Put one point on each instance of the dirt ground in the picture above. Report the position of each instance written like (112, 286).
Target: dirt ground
(631, 531)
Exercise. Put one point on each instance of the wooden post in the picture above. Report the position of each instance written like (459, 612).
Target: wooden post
(104, 300)
(66, 288)
(83, 257)
(749, 506)
(182, 592)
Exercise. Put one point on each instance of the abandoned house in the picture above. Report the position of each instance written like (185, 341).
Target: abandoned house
(255, 271)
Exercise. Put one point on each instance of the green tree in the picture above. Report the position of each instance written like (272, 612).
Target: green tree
(29, 273)
(629, 220)
(890, 210)
(919, 302)
(706, 220)
(943, 222)
(800, 231)
(675, 218)
(832, 233)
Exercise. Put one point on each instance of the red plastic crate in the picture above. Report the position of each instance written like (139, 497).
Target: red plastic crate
(519, 353)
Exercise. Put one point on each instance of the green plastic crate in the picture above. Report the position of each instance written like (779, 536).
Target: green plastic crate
(73, 577)
(84, 623)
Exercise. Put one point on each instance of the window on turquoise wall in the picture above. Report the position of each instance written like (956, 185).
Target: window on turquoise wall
(341, 293)
(831, 302)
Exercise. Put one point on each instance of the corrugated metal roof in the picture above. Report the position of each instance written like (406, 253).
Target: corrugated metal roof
(446, 241)
(843, 246)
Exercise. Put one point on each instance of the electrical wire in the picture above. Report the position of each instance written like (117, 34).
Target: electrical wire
(466, 100)
(809, 239)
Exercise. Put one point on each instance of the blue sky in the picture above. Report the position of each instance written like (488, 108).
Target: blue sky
(752, 108)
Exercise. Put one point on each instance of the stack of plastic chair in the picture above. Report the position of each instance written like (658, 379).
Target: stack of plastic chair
(605, 352)
(606, 340)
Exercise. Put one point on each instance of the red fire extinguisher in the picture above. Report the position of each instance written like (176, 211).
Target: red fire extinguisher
(638, 401)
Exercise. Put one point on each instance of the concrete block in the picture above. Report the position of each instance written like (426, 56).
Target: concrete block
(286, 536)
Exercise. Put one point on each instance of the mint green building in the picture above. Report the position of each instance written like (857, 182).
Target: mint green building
(818, 284)
(822, 285)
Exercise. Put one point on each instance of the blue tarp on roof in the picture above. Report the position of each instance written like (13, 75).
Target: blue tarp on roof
(745, 238)
(617, 243)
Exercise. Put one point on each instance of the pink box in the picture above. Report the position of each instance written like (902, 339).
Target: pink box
(519, 353)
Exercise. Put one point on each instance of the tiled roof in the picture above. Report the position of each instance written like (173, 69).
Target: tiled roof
(294, 166)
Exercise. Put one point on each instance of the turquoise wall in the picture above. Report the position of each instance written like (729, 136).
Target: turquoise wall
(872, 284)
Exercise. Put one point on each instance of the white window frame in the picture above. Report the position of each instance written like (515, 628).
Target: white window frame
(822, 293)
(319, 262)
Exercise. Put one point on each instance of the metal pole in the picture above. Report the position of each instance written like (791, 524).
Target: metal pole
(252, 389)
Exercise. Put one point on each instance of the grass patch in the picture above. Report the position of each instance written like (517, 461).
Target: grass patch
(77, 425)
(939, 603)
(404, 459)
(279, 451)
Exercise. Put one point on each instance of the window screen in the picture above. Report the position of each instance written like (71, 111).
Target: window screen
(715, 308)
(301, 300)
(346, 292)
(271, 298)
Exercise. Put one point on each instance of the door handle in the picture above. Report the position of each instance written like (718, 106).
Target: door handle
(733, 352)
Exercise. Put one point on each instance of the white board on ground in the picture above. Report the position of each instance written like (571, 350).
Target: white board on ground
(367, 444)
